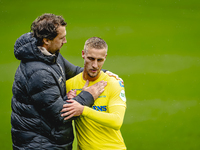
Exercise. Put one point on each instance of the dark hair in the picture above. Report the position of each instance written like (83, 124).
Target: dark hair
(45, 26)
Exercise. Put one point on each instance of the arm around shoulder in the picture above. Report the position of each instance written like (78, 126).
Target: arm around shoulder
(70, 69)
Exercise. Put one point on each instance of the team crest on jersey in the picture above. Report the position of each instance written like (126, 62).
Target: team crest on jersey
(121, 84)
(122, 95)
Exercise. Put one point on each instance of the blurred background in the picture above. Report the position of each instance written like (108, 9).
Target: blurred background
(152, 45)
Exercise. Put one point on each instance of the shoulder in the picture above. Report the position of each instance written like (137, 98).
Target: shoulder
(36, 71)
(113, 82)
(35, 66)
(75, 78)
(116, 90)
(115, 87)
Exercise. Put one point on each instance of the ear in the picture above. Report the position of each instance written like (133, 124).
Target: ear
(83, 54)
(46, 41)
(105, 56)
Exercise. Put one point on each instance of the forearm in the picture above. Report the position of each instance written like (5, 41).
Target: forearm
(84, 98)
(113, 119)
(71, 109)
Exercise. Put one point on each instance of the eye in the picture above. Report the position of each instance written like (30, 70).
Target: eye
(100, 60)
(90, 58)
(62, 37)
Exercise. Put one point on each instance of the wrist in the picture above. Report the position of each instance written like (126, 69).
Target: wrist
(82, 109)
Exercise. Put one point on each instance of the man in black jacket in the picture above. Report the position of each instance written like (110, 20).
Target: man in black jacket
(39, 88)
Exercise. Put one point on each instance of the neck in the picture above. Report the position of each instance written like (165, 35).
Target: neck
(44, 51)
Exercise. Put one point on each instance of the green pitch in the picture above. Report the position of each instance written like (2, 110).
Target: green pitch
(153, 45)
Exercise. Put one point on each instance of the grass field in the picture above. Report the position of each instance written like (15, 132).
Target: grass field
(153, 46)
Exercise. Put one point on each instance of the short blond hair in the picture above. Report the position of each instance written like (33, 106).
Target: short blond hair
(95, 42)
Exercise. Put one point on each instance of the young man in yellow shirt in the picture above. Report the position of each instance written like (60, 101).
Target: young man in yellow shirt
(97, 128)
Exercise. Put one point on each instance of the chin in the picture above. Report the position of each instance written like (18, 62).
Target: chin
(92, 75)
(58, 51)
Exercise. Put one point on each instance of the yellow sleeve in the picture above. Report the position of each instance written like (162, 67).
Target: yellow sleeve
(113, 119)
(117, 94)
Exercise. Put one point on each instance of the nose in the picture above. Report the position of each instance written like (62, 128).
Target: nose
(95, 64)
(65, 40)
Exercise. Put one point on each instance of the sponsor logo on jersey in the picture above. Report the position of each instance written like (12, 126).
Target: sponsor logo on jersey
(121, 84)
(77, 89)
(102, 96)
(122, 95)
(100, 108)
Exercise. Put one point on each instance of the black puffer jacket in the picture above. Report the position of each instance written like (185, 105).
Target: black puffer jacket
(38, 92)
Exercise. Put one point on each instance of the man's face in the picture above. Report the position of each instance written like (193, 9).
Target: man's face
(55, 44)
(93, 62)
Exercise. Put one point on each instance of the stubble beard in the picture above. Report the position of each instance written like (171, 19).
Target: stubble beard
(93, 76)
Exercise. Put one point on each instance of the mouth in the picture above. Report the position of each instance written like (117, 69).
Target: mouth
(93, 70)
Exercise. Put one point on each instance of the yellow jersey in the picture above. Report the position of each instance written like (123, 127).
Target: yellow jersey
(98, 128)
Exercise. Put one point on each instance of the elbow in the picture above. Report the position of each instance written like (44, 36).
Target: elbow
(117, 128)
(117, 125)
(118, 122)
